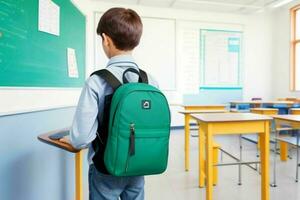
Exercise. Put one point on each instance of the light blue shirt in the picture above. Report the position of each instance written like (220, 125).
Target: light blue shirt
(91, 103)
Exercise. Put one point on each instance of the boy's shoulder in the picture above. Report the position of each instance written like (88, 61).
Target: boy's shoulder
(94, 82)
(95, 79)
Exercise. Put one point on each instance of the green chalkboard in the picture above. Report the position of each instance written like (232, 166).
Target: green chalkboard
(30, 58)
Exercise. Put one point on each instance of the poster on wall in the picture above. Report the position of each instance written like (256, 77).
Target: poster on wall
(220, 58)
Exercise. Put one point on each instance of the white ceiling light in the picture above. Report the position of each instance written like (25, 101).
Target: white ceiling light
(218, 3)
(281, 3)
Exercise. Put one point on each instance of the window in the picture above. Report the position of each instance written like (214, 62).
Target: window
(295, 48)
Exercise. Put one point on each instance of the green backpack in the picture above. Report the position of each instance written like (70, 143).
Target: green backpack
(133, 139)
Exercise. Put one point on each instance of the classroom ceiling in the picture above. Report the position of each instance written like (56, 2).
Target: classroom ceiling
(232, 6)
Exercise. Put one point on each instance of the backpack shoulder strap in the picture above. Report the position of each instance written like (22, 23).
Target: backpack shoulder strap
(108, 77)
(144, 76)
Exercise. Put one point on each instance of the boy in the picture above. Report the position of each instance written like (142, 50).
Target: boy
(121, 30)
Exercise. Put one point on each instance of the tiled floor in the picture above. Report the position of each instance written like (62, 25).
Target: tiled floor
(176, 184)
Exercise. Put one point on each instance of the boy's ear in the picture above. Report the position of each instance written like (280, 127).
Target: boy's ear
(108, 41)
(105, 39)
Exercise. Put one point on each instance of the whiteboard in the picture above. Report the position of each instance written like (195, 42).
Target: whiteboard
(189, 56)
(220, 55)
(156, 53)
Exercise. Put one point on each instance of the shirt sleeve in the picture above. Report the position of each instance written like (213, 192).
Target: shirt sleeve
(85, 123)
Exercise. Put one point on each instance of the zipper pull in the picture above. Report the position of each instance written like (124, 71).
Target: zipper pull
(132, 140)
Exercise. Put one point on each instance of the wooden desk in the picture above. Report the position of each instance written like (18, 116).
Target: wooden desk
(264, 111)
(295, 111)
(283, 145)
(289, 104)
(232, 123)
(294, 122)
(279, 102)
(205, 107)
(78, 159)
(291, 120)
(187, 118)
(291, 99)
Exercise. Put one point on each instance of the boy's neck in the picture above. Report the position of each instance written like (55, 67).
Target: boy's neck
(120, 53)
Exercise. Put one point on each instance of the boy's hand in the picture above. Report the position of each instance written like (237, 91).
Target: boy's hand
(65, 139)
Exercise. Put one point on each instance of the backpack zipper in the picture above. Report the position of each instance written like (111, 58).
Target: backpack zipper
(131, 150)
(132, 140)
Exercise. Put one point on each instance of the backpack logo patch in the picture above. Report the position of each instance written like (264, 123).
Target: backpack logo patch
(146, 104)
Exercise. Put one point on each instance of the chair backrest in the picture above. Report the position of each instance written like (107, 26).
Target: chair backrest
(291, 99)
(243, 107)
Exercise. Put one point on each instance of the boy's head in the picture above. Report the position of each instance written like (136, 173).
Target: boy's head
(120, 29)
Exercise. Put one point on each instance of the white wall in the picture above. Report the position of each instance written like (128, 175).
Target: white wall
(18, 100)
(257, 66)
(281, 52)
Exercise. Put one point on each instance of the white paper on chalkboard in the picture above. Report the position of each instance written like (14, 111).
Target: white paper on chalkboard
(72, 63)
(49, 17)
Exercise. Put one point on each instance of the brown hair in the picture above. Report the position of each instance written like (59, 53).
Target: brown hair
(123, 26)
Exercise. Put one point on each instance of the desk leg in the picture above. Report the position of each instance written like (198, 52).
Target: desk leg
(258, 142)
(78, 175)
(209, 162)
(201, 147)
(264, 148)
(187, 141)
(283, 151)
